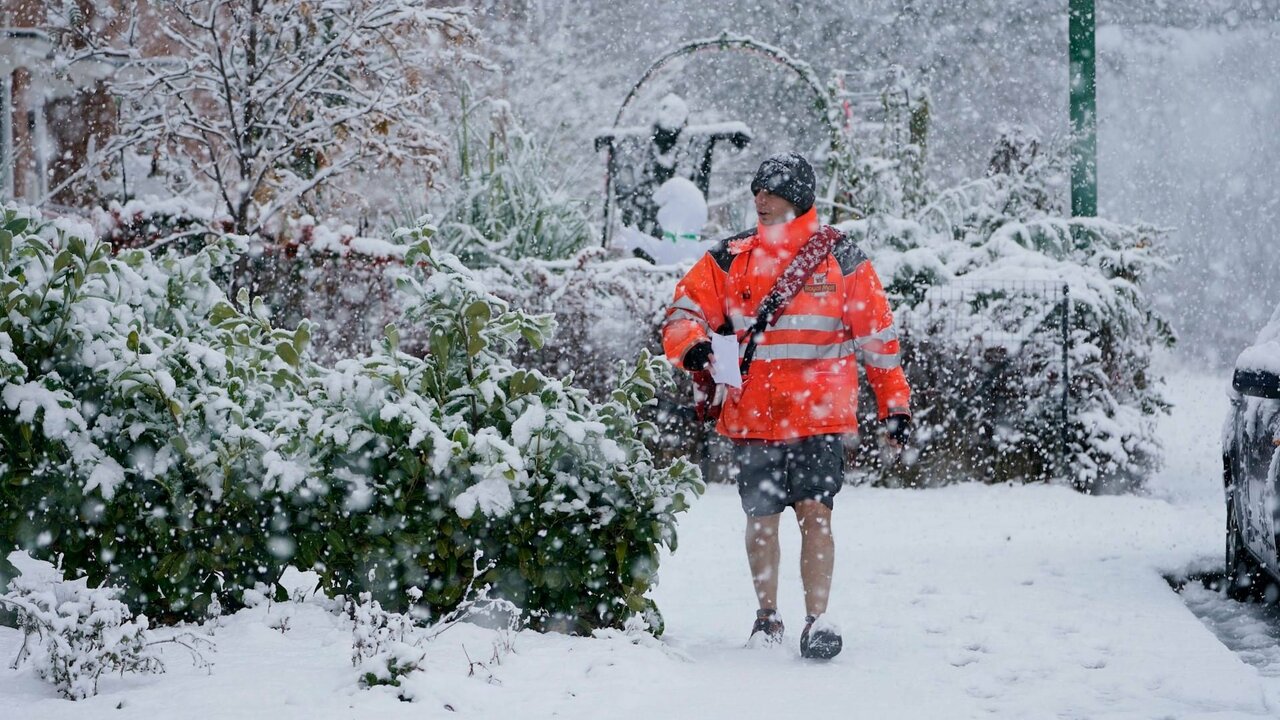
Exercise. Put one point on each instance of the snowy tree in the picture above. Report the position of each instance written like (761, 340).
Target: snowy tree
(269, 104)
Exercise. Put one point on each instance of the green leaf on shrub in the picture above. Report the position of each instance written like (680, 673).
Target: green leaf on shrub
(62, 260)
(38, 246)
(477, 317)
(533, 336)
(439, 344)
(301, 337)
(175, 567)
(16, 226)
(222, 312)
(525, 383)
(336, 541)
(75, 245)
(287, 352)
(393, 337)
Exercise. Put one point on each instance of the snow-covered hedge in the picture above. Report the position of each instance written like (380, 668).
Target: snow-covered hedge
(987, 370)
(158, 435)
(606, 309)
(324, 271)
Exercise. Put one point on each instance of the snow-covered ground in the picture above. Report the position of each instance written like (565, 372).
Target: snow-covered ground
(968, 601)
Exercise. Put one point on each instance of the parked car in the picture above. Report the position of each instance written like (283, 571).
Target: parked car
(1251, 470)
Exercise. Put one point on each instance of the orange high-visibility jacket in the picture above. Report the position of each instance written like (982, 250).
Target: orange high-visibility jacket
(803, 379)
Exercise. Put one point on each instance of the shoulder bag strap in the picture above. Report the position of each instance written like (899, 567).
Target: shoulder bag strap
(788, 285)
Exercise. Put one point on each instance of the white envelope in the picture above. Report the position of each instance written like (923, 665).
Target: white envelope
(724, 360)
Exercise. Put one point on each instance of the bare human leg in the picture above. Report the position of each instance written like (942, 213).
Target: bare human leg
(817, 554)
(764, 555)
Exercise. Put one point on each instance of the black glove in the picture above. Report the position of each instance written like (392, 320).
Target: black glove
(696, 357)
(898, 428)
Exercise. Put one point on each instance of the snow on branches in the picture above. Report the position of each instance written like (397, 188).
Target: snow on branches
(269, 103)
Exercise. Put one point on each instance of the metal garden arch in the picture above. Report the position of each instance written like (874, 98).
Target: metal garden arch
(824, 103)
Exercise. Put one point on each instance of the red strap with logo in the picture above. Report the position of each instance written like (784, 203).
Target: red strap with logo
(785, 288)
(788, 285)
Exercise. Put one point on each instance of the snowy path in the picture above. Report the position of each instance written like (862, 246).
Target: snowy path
(972, 602)
(965, 602)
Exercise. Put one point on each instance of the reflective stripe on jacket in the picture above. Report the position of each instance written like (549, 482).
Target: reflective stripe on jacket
(803, 380)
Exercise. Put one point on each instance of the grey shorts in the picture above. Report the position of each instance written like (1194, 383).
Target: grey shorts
(773, 476)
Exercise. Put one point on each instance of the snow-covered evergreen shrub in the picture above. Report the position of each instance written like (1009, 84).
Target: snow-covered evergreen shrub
(74, 634)
(132, 426)
(982, 415)
(559, 491)
(160, 436)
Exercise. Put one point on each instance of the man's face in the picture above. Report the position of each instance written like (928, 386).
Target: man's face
(772, 209)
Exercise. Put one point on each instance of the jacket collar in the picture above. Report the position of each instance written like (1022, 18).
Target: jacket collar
(789, 236)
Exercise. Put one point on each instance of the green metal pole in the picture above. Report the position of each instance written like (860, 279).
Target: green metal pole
(1084, 116)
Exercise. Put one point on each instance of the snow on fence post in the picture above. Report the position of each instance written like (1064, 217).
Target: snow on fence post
(1066, 376)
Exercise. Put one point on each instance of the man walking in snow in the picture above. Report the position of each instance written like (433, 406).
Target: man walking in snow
(801, 299)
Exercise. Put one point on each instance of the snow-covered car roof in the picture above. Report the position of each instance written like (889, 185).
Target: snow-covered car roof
(1264, 354)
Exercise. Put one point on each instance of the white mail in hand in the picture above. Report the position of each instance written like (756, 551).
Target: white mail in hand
(724, 360)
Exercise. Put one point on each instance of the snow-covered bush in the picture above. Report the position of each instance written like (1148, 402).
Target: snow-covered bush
(326, 273)
(386, 646)
(505, 204)
(382, 642)
(986, 368)
(605, 309)
(179, 223)
(160, 436)
(74, 634)
(559, 491)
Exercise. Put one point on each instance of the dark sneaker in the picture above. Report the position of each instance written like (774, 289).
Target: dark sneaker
(767, 631)
(820, 639)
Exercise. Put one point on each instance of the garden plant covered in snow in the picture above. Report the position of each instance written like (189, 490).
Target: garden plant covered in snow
(74, 634)
(159, 436)
(995, 237)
